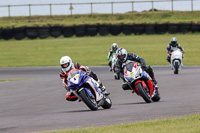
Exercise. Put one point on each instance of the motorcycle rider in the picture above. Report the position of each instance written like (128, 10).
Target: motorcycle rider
(67, 65)
(124, 57)
(173, 46)
(113, 49)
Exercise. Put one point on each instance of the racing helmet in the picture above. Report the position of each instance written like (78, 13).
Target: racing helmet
(121, 54)
(174, 42)
(66, 63)
(114, 47)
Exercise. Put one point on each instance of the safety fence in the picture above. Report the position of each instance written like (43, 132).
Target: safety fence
(98, 7)
(43, 32)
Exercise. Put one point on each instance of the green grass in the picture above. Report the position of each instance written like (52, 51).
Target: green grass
(93, 50)
(187, 124)
(136, 17)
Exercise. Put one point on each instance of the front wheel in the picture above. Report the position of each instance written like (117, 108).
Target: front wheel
(107, 103)
(143, 93)
(176, 66)
(88, 100)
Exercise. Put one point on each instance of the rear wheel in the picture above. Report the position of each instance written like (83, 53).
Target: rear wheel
(144, 93)
(176, 66)
(107, 103)
(88, 100)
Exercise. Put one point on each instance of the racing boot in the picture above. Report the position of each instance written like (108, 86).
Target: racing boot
(155, 84)
(103, 88)
(125, 86)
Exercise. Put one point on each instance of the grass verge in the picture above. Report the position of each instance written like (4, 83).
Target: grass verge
(135, 17)
(187, 124)
(92, 51)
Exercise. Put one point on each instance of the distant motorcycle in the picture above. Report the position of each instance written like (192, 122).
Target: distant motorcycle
(176, 61)
(87, 90)
(134, 76)
(113, 60)
(116, 73)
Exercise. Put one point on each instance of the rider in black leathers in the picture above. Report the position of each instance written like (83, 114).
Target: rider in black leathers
(123, 56)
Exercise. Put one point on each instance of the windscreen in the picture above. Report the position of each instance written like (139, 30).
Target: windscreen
(130, 65)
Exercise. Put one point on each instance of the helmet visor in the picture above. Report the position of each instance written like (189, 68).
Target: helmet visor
(115, 48)
(173, 43)
(121, 57)
(65, 65)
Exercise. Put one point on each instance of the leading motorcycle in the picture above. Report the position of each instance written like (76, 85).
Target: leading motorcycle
(176, 61)
(87, 90)
(137, 81)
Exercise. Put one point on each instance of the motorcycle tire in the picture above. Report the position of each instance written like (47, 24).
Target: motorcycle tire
(143, 93)
(156, 98)
(176, 68)
(107, 103)
(90, 102)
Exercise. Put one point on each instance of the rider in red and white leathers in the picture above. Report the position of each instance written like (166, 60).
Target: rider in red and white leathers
(67, 65)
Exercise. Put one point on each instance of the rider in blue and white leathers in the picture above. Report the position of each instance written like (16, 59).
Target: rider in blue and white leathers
(123, 57)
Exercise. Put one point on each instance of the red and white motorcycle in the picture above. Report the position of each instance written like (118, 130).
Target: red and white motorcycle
(137, 81)
(176, 61)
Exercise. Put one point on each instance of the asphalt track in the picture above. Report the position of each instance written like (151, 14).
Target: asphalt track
(39, 104)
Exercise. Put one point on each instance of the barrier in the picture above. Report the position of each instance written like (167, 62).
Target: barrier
(115, 29)
(19, 33)
(138, 29)
(150, 28)
(161, 28)
(0, 33)
(127, 29)
(43, 32)
(91, 30)
(184, 27)
(195, 28)
(7, 33)
(173, 28)
(68, 31)
(104, 29)
(34, 32)
(80, 30)
(55, 31)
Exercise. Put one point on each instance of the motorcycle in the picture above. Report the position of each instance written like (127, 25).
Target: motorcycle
(87, 90)
(135, 77)
(113, 62)
(176, 61)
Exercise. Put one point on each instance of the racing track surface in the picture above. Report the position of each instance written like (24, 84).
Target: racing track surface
(39, 104)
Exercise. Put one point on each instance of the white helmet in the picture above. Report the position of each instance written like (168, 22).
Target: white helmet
(66, 63)
(114, 46)
(122, 54)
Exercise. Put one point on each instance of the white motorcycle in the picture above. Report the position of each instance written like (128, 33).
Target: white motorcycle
(176, 61)
(113, 60)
